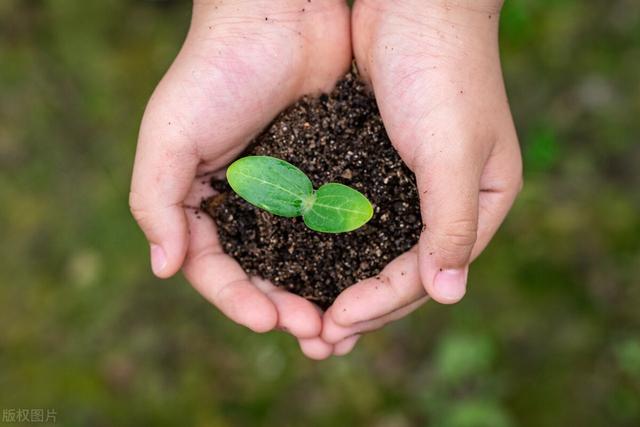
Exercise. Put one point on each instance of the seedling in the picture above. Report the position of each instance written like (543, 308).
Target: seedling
(284, 190)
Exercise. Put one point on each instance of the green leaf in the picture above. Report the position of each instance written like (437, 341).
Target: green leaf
(271, 184)
(338, 209)
(282, 189)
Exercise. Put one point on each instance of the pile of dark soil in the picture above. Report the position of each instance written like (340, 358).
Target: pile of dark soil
(337, 137)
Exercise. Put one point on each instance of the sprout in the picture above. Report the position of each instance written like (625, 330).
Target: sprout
(284, 190)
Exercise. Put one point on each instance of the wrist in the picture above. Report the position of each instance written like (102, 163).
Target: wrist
(468, 5)
(308, 38)
(437, 15)
(464, 10)
(293, 11)
(455, 6)
(455, 34)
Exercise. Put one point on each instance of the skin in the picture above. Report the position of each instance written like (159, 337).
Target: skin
(241, 64)
(435, 70)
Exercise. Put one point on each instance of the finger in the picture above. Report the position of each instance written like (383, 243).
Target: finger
(315, 348)
(221, 280)
(334, 333)
(500, 184)
(345, 346)
(397, 285)
(448, 176)
(163, 171)
(296, 315)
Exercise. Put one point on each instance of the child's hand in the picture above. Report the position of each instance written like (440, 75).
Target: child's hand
(242, 63)
(435, 69)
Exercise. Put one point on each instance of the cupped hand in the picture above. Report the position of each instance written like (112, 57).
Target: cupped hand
(435, 69)
(241, 64)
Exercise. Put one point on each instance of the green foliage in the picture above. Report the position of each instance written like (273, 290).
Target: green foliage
(282, 189)
(628, 357)
(542, 150)
(460, 357)
(338, 208)
(271, 184)
(548, 334)
(475, 413)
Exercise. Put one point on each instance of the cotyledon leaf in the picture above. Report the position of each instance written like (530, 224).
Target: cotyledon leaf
(338, 209)
(271, 184)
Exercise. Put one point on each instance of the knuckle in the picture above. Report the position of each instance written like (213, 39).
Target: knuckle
(514, 187)
(394, 290)
(136, 208)
(519, 185)
(456, 239)
(134, 202)
(518, 178)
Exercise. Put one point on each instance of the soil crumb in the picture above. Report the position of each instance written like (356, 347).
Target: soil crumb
(337, 137)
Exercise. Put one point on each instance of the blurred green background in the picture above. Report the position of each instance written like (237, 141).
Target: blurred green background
(548, 335)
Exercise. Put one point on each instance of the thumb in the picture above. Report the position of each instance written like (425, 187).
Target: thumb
(448, 177)
(163, 173)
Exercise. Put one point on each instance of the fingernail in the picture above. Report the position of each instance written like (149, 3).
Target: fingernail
(451, 284)
(158, 259)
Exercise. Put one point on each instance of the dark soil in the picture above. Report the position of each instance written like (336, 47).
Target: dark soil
(337, 137)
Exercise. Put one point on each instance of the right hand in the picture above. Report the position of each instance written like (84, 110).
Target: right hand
(242, 63)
